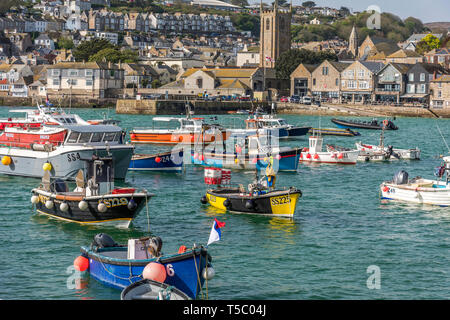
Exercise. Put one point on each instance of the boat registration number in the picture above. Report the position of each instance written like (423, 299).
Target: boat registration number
(73, 156)
(212, 198)
(280, 200)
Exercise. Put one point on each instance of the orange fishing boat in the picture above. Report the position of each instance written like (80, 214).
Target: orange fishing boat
(188, 131)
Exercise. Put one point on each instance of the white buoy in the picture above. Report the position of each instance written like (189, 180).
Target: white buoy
(102, 207)
(64, 207)
(34, 199)
(208, 273)
(83, 205)
(49, 204)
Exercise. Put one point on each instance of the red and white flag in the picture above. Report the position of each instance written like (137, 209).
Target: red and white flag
(215, 234)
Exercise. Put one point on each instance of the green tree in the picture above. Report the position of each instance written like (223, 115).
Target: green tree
(86, 49)
(5, 5)
(428, 43)
(115, 55)
(309, 4)
(65, 43)
(290, 60)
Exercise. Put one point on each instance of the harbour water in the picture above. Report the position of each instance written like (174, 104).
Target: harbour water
(340, 231)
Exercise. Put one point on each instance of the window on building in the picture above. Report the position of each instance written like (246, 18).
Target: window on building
(325, 71)
(267, 24)
(314, 82)
(411, 77)
(200, 83)
(422, 77)
(411, 88)
(439, 94)
(56, 82)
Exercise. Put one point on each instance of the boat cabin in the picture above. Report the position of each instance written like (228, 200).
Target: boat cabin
(94, 135)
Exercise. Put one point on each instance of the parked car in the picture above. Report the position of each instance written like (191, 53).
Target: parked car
(284, 99)
(306, 100)
(294, 99)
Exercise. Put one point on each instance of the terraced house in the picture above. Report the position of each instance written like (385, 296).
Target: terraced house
(358, 81)
(90, 80)
(440, 92)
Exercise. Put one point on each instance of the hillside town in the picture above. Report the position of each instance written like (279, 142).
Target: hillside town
(178, 55)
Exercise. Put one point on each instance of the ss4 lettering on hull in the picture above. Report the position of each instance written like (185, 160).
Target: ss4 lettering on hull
(114, 202)
(73, 156)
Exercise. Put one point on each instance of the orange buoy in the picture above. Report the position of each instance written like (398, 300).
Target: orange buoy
(6, 160)
(182, 249)
(154, 271)
(81, 263)
(385, 189)
(132, 136)
(340, 156)
(316, 156)
(158, 159)
(308, 156)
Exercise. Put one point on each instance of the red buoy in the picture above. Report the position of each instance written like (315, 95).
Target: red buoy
(81, 263)
(340, 156)
(308, 156)
(182, 249)
(154, 271)
(316, 156)
(158, 159)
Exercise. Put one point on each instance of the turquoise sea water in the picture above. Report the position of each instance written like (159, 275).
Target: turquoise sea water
(340, 228)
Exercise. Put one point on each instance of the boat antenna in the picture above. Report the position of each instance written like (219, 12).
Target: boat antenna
(440, 132)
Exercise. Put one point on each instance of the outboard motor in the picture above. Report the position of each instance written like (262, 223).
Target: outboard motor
(401, 177)
(102, 240)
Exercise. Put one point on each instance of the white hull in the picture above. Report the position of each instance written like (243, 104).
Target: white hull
(65, 160)
(341, 157)
(423, 191)
(398, 154)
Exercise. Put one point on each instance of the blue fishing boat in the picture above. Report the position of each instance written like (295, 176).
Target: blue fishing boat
(166, 161)
(111, 264)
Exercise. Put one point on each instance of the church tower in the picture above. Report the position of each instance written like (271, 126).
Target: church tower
(275, 35)
(353, 42)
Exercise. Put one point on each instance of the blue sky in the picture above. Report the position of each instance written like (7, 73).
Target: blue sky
(425, 10)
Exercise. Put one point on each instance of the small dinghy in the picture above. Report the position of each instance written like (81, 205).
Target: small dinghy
(166, 161)
(118, 266)
(152, 290)
(420, 190)
(380, 152)
(94, 202)
(333, 155)
(373, 124)
(261, 198)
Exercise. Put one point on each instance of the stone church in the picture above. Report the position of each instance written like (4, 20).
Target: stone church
(275, 38)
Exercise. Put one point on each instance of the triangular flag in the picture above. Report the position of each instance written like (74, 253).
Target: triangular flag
(215, 231)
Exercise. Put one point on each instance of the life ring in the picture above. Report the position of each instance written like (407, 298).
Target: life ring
(385, 123)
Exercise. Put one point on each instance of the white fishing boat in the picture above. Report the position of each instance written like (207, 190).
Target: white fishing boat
(420, 190)
(381, 152)
(333, 155)
(50, 139)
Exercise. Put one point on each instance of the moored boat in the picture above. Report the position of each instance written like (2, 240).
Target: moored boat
(419, 190)
(95, 200)
(118, 266)
(261, 198)
(147, 289)
(165, 161)
(373, 124)
(334, 155)
(334, 132)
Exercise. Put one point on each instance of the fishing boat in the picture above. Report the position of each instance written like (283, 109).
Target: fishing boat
(333, 154)
(165, 161)
(271, 124)
(420, 190)
(247, 153)
(51, 136)
(381, 152)
(95, 200)
(334, 132)
(118, 266)
(147, 289)
(261, 198)
(373, 124)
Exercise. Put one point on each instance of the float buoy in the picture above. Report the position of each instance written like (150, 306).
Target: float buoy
(386, 189)
(249, 204)
(83, 205)
(154, 271)
(227, 203)
(131, 204)
(157, 159)
(81, 263)
(316, 156)
(182, 249)
(102, 207)
(340, 156)
(34, 199)
(208, 273)
(64, 207)
(204, 200)
(49, 204)
(47, 166)
(6, 160)
(308, 156)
